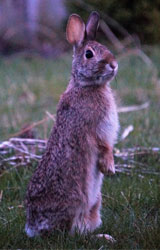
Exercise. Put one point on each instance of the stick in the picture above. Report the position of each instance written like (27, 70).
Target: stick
(34, 124)
(110, 35)
(126, 132)
(133, 108)
(107, 237)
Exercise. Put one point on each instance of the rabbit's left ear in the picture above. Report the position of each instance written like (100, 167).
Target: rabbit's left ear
(92, 25)
(75, 31)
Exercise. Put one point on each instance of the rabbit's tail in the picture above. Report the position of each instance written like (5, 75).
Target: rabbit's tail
(37, 227)
(41, 225)
(40, 228)
(31, 231)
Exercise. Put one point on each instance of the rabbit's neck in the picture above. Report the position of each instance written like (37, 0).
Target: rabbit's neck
(86, 82)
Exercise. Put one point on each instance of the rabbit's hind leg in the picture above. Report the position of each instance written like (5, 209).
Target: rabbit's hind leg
(95, 216)
(89, 220)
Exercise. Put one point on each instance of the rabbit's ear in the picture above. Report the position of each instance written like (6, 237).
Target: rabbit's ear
(92, 25)
(75, 30)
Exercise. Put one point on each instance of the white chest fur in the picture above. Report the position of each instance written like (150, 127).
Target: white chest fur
(95, 178)
(108, 128)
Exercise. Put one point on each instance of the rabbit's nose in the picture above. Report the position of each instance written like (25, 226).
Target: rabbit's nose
(113, 65)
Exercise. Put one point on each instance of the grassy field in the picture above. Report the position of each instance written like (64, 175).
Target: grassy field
(131, 203)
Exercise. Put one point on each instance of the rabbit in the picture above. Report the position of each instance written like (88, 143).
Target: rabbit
(64, 192)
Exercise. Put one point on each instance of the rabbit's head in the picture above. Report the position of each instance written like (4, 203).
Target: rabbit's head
(93, 63)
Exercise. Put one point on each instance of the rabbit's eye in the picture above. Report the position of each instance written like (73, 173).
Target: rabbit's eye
(89, 54)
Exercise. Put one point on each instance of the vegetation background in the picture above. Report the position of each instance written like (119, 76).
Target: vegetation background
(141, 17)
(35, 66)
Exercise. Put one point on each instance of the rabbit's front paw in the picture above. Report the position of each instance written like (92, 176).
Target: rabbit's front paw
(106, 164)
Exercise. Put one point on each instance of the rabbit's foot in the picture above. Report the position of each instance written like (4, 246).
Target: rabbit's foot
(107, 237)
(95, 216)
(106, 164)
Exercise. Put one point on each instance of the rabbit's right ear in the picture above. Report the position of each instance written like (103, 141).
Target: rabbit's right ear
(75, 31)
(92, 25)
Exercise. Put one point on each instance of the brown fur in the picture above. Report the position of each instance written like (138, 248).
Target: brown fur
(64, 193)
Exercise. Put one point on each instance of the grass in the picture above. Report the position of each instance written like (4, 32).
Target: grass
(131, 203)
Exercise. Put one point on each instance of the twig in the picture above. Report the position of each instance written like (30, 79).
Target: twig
(28, 141)
(111, 36)
(34, 124)
(24, 152)
(51, 116)
(138, 163)
(101, 247)
(107, 237)
(133, 108)
(126, 132)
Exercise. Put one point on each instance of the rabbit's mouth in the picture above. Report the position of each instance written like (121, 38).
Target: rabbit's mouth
(105, 78)
(96, 79)
(107, 74)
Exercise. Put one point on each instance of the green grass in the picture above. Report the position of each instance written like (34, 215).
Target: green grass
(131, 203)
(28, 89)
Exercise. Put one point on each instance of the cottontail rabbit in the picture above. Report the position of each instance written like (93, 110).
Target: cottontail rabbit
(64, 193)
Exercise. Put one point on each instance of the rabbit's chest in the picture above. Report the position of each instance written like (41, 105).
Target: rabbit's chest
(107, 129)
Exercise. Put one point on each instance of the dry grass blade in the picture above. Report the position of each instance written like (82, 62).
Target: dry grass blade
(1, 195)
